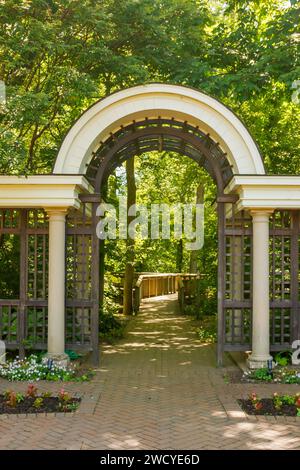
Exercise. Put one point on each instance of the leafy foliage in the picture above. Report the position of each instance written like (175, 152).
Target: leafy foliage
(111, 328)
(207, 332)
(283, 358)
(59, 56)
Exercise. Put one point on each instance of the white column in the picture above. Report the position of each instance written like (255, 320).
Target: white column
(260, 291)
(56, 285)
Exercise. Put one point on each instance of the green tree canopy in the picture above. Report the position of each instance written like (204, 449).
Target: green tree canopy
(59, 56)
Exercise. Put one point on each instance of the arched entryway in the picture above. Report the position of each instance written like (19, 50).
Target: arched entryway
(165, 117)
(54, 217)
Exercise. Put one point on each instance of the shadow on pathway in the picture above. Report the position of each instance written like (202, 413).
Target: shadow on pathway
(158, 388)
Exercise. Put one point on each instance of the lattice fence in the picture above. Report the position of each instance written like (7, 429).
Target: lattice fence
(79, 302)
(238, 279)
(284, 272)
(24, 279)
(24, 276)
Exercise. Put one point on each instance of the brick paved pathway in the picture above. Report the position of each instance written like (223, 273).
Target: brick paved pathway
(157, 389)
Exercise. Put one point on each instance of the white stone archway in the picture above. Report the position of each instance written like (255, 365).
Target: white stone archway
(164, 101)
(150, 101)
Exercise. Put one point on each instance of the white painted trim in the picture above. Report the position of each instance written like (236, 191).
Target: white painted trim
(51, 179)
(266, 191)
(44, 191)
(262, 180)
(153, 100)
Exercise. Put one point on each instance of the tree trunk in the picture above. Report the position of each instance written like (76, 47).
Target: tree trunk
(194, 253)
(129, 269)
(128, 284)
(179, 256)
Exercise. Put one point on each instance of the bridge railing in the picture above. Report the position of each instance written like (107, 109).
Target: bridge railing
(147, 285)
(153, 285)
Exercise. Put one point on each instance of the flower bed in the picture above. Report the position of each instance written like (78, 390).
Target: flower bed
(33, 369)
(12, 402)
(284, 375)
(278, 405)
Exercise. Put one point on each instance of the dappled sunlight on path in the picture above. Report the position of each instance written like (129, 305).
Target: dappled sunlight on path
(160, 337)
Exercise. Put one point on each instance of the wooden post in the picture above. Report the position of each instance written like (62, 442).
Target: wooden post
(95, 287)
(23, 282)
(295, 319)
(221, 281)
(130, 243)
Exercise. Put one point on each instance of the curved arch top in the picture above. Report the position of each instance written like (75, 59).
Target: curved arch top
(152, 101)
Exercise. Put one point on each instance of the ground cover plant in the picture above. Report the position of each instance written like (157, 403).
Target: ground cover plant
(285, 375)
(34, 368)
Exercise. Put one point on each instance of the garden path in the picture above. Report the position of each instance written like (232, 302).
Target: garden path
(156, 389)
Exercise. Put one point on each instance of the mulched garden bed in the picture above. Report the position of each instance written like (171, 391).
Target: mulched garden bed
(267, 408)
(49, 405)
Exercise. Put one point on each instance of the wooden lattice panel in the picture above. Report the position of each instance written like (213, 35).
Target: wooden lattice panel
(237, 279)
(79, 278)
(280, 256)
(284, 282)
(36, 326)
(78, 326)
(9, 219)
(9, 324)
(237, 326)
(280, 327)
(37, 271)
(78, 266)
